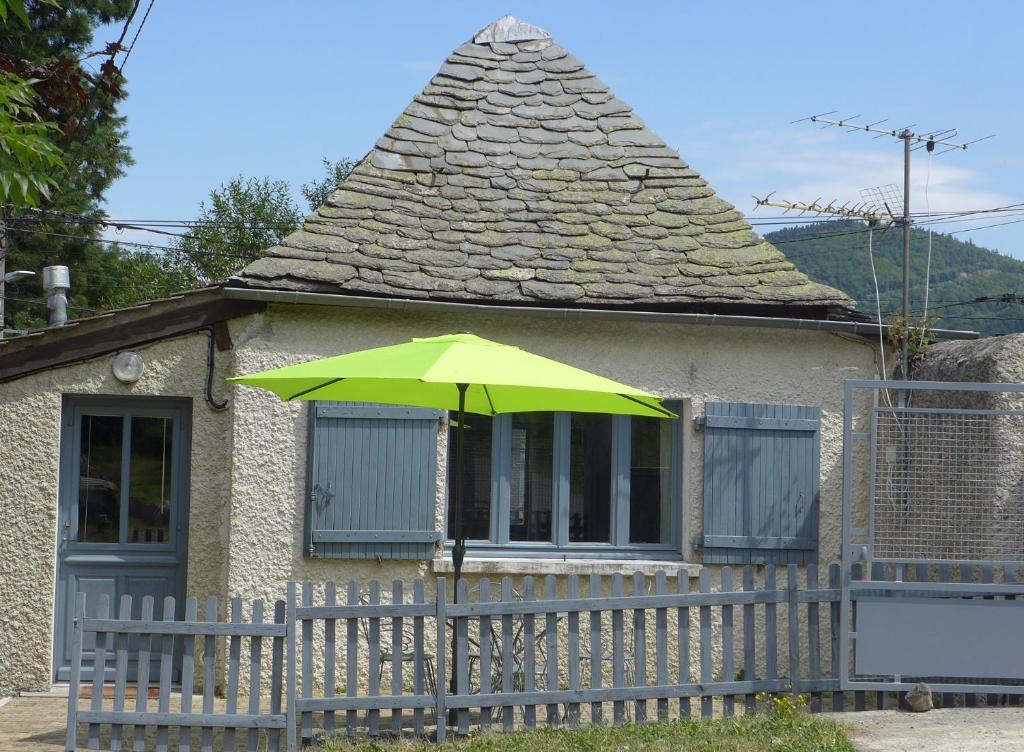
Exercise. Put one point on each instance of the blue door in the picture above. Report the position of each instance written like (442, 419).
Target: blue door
(123, 509)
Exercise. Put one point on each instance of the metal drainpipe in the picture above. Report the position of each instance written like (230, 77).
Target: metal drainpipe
(57, 282)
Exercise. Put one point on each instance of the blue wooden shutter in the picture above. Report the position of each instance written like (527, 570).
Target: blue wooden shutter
(372, 482)
(761, 483)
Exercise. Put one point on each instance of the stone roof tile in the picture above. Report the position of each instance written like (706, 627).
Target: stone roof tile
(516, 175)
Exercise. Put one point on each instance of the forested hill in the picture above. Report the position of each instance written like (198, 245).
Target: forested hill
(836, 253)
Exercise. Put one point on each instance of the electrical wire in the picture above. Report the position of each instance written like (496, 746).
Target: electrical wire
(928, 263)
(137, 32)
(158, 227)
(132, 243)
(45, 304)
(878, 304)
(985, 227)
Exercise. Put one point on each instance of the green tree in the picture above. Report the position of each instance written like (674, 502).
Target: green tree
(241, 220)
(316, 191)
(77, 89)
(836, 254)
(28, 156)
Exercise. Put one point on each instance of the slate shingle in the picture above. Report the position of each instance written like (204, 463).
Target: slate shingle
(516, 175)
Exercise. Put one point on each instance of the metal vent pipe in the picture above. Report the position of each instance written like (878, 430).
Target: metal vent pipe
(57, 282)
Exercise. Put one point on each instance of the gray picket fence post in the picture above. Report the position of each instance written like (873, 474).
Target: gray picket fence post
(441, 682)
(292, 744)
(71, 739)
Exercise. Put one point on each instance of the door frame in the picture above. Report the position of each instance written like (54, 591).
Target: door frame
(72, 406)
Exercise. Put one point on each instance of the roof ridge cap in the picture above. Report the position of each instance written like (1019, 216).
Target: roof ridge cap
(508, 28)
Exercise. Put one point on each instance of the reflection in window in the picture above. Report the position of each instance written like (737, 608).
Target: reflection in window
(590, 488)
(530, 479)
(650, 481)
(150, 488)
(476, 477)
(99, 487)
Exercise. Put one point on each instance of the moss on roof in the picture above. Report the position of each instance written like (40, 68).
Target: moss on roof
(517, 176)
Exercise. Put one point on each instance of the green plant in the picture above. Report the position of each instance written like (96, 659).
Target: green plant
(921, 335)
(784, 706)
(28, 155)
(760, 732)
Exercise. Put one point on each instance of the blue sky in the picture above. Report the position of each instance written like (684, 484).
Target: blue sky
(224, 88)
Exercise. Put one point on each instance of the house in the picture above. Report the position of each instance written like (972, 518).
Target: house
(515, 197)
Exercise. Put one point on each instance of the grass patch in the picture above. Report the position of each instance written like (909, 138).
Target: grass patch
(764, 732)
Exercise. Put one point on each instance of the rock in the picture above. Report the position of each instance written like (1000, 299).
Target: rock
(919, 699)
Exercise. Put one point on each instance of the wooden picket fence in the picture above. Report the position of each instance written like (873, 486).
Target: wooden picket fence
(169, 643)
(349, 659)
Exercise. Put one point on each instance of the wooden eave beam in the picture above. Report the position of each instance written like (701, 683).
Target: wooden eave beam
(109, 334)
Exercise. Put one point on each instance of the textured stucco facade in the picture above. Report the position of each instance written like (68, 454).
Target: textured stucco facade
(30, 434)
(696, 363)
(248, 464)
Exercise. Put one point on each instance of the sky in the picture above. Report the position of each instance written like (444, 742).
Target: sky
(254, 88)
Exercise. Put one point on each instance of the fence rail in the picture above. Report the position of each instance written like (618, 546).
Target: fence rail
(142, 644)
(347, 658)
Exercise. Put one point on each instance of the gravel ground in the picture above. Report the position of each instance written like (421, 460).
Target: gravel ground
(943, 730)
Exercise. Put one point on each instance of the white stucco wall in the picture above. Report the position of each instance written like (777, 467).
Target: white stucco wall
(248, 466)
(698, 363)
(30, 414)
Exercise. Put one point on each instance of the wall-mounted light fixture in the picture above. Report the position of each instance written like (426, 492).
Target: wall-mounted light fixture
(128, 367)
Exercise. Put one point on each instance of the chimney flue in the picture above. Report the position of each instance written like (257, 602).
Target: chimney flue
(57, 282)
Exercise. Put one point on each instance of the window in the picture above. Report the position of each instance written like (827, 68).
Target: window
(650, 481)
(570, 484)
(126, 482)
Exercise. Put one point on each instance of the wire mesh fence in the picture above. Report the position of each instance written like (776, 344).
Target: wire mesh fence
(947, 484)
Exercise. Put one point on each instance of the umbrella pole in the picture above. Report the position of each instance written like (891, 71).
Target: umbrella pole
(459, 549)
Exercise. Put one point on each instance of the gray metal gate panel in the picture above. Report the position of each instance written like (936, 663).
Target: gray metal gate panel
(930, 640)
(903, 617)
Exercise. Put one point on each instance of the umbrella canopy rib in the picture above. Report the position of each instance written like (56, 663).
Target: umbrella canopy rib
(307, 392)
(487, 393)
(663, 411)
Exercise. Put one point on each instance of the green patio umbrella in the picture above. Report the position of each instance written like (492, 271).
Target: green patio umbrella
(457, 372)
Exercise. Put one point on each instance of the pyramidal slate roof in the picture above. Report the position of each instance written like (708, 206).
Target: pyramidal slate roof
(516, 176)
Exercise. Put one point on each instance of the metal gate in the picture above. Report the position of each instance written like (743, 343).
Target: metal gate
(933, 536)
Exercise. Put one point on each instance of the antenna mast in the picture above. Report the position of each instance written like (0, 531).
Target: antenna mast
(911, 142)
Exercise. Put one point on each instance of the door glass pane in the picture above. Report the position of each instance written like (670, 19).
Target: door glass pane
(650, 481)
(476, 478)
(531, 477)
(150, 489)
(99, 484)
(590, 487)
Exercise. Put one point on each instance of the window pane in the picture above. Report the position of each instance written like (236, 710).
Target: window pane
(476, 476)
(650, 481)
(150, 488)
(531, 477)
(590, 485)
(99, 487)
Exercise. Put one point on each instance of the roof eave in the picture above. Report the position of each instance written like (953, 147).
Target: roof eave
(858, 328)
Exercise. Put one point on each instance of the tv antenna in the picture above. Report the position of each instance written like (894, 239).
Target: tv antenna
(870, 213)
(912, 141)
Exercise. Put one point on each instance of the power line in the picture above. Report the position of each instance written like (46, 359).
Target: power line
(44, 304)
(134, 244)
(985, 227)
(147, 225)
(137, 32)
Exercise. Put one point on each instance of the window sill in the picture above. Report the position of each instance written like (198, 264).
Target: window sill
(502, 566)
